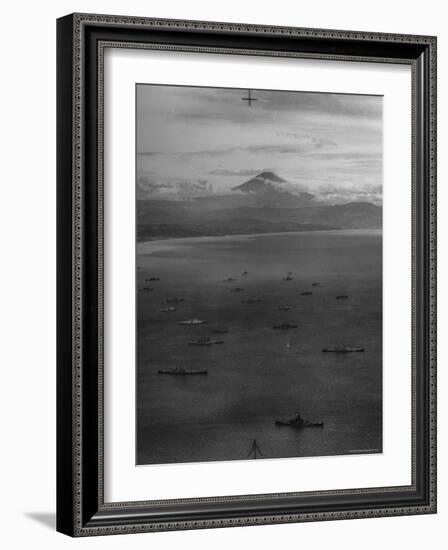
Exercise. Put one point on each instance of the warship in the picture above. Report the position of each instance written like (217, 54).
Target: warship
(342, 349)
(192, 322)
(284, 326)
(204, 342)
(182, 372)
(299, 422)
(174, 300)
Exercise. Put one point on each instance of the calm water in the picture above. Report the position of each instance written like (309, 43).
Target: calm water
(260, 374)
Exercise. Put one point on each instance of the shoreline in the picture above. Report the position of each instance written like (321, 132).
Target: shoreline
(211, 238)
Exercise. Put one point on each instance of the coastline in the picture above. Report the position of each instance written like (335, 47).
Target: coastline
(169, 242)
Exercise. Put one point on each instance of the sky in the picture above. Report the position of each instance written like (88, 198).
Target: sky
(197, 141)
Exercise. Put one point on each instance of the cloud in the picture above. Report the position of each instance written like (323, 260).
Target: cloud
(211, 104)
(182, 187)
(248, 172)
(278, 149)
(351, 192)
(186, 134)
(301, 147)
(351, 156)
(149, 184)
(306, 139)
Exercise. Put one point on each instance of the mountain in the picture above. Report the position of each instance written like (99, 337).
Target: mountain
(352, 215)
(261, 183)
(269, 189)
(260, 205)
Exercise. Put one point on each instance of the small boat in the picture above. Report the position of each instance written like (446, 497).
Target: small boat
(229, 280)
(220, 331)
(147, 289)
(283, 308)
(204, 342)
(237, 289)
(342, 297)
(174, 300)
(299, 422)
(192, 322)
(251, 301)
(315, 284)
(152, 279)
(182, 372)
(305, 424)
(166, 309)
(288, 278)
(284, 326)
(342, 349)
(306, 293)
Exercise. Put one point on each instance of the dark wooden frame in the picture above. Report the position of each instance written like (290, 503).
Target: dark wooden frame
(81, 510)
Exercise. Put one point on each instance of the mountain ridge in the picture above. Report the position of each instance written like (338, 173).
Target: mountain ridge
(164, 219)
(274, 188)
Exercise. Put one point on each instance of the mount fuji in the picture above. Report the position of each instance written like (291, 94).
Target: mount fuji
(274, 190)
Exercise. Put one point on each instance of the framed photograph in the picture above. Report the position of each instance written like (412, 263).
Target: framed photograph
(246, 274)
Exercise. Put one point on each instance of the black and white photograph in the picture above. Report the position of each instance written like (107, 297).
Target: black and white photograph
(246, 276)
(258, 274)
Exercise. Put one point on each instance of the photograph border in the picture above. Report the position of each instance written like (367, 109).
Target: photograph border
(101, 148)
(81, 39)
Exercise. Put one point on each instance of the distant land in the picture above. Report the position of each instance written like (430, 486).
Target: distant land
(263, 204)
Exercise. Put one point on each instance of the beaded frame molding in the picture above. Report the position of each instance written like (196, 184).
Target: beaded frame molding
(81, 40)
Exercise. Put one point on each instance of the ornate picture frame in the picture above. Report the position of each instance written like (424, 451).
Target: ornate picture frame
(81, 506)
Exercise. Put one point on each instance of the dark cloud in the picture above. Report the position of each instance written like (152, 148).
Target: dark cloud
(317, 142)
(219, 103)
(353, 156)
(314, 102)
(306, 145)
(275, 149)
(248, 172)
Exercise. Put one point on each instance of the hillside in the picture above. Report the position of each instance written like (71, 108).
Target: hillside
(169, 219)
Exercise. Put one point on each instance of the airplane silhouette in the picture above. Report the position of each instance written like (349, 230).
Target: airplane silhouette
(249, 99)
